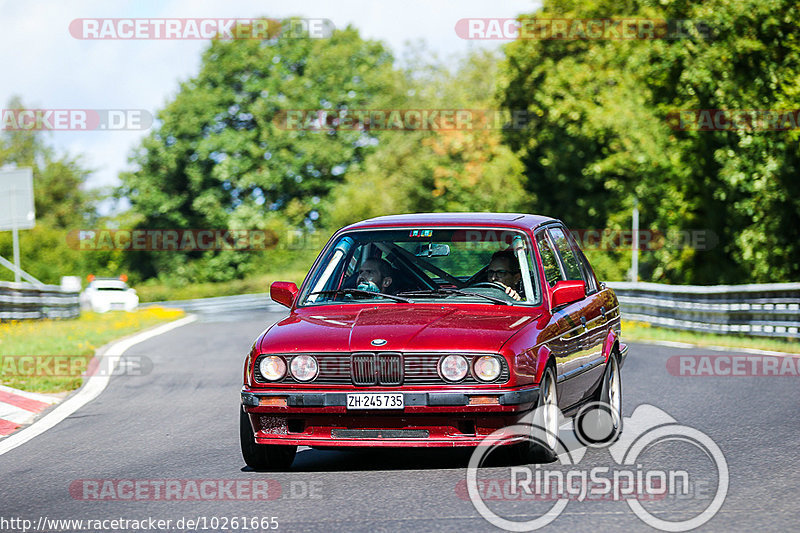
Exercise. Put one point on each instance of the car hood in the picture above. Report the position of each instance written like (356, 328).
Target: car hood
(404, 328)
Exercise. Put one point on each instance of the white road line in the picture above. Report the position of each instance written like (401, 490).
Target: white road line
(92, 388)
(732, 349)
(670, 344)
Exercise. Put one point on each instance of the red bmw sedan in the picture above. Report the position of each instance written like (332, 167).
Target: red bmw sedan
(432, 330)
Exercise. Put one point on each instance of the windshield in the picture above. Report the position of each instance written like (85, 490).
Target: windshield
(490, 266)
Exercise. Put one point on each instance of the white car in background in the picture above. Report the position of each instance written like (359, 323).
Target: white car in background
(109, 294)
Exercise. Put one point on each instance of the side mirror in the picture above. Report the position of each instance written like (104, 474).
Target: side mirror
(566, 292)
(283, 292)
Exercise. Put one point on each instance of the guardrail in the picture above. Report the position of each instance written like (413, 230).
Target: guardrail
(25, 301)
(223, 304)
(761, 310)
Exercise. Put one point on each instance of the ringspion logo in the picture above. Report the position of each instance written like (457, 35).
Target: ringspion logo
(650, 485)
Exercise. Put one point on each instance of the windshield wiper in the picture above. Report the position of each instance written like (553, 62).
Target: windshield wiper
(360, 292)
(454, 292)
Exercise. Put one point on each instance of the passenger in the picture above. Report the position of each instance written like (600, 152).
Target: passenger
(375, 276)
(504, 269)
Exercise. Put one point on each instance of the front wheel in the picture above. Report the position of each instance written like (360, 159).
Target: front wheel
(262, 456)
(599, 423)
(542, 444)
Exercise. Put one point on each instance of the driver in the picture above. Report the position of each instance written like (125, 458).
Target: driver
(504, 269)
(374, 276)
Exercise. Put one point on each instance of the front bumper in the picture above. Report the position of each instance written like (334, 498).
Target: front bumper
(429, 419)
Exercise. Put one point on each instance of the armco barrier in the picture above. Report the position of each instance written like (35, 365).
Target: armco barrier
(222, 304)
(761, 310)
(26, 301)
(768, 310)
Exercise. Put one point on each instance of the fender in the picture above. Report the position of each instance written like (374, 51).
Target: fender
(608, 345)
(542, 356)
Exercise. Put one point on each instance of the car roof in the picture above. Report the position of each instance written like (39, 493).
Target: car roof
(512, 220)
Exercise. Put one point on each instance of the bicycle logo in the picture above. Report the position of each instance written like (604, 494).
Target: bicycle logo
(647, 427)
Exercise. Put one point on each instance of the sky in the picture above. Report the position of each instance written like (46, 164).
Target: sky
(50, 69)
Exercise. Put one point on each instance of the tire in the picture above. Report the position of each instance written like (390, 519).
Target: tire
(542, 446)
(261, 457)
(600, 422)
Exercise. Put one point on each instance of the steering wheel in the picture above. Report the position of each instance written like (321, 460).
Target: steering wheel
(489, 285)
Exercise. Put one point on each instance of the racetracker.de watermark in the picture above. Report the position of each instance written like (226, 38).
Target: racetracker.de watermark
(193, 490)
(734, 120)
(27, 366)
(734, 365)
(401, 119)
(626, 29)
(172, 240)
(646, 240)
(75, 119)
(198, 28)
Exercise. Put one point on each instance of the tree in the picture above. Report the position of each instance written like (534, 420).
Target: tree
(60, 200)
(603, 135)
(440, 170)
(223, 156)
(62, 205)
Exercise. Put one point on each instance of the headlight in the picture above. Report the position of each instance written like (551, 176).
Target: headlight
(304, 367)
(272, 367)
(487, 368)
(453, 367)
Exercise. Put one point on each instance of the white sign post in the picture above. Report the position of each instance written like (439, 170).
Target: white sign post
(16, 207)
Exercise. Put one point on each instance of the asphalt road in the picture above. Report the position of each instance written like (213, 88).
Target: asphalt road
(180, 422)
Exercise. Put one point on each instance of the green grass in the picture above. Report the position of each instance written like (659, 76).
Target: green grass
(154, 292)
(62, 349)
(639, 331)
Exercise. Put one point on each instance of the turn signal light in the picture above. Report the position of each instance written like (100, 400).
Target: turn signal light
(272, 401)
(484, 400)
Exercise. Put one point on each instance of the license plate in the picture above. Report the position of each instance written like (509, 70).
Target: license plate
(375, 400)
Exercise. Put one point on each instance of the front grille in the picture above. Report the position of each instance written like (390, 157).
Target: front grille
(377, 368)
(390, 369)
(363, 369)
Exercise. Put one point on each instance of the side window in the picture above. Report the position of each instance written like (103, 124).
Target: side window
(552, 273)
(588, 273)
(572, 267)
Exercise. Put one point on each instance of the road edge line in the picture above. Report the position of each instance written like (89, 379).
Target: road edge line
(91, 388)
(716, 348)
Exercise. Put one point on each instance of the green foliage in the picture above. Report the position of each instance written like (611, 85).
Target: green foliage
(221, 157)
(62, 205)
(433, 171)
(59, 199)
(602, 134)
